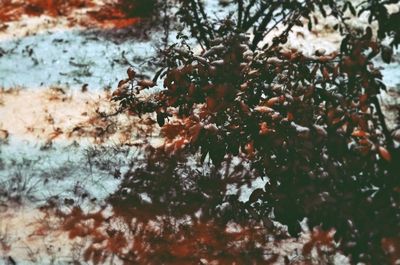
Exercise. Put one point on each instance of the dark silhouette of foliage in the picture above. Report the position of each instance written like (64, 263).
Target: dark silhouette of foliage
(138, 8)
(167, 211)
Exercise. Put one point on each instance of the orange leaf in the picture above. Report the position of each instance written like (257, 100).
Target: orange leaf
(272, 101)
(263, 128)
(263, 109)
(359, 133)
(290, 116)
(146, 83)
(250, 148)
(384, 153)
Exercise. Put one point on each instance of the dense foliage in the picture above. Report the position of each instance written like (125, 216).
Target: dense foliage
(312, 124)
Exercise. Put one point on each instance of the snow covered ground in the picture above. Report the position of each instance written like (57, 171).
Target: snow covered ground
(69, 58)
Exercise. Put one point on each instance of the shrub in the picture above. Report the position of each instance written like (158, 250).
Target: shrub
(311, 123)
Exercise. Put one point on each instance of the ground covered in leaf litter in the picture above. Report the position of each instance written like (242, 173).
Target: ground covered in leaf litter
(56, 142)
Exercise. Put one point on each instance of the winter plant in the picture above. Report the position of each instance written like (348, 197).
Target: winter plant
(311, 124)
